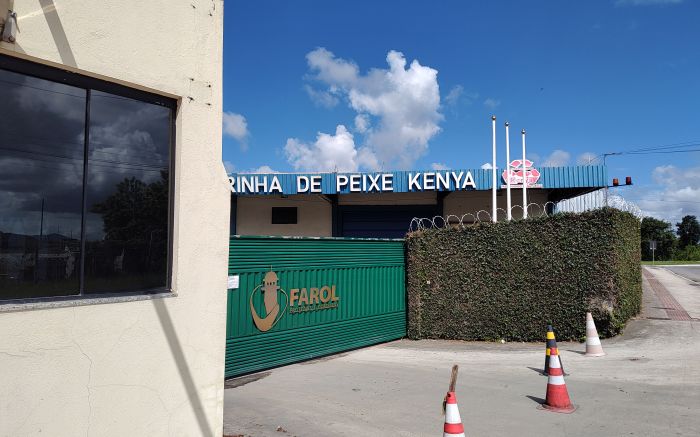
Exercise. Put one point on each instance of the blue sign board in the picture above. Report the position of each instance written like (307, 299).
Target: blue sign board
(405, 181)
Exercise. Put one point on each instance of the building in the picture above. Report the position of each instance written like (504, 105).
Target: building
(112, 308)
(382, 205)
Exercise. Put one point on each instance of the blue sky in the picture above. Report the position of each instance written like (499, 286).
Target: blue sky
(308, 86)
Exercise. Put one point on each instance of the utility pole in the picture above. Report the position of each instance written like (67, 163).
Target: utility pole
(605, 155)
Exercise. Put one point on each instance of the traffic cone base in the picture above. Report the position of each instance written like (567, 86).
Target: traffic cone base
(557, 399)
(566, 410)
(453, 421)
(593, 346)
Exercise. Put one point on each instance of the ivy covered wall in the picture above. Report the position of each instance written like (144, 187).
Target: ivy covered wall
(508, 280)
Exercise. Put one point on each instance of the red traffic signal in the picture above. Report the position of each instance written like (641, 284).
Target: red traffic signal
(616, 182)
(628, 180)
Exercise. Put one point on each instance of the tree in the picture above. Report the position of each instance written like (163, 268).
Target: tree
(661, 232)
(688, 231)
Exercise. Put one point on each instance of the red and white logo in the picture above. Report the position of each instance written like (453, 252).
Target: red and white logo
(516, 170)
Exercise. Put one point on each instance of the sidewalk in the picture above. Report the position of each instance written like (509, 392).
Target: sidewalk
(680, 296)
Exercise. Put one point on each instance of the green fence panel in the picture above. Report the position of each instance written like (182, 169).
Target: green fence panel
(300, 298)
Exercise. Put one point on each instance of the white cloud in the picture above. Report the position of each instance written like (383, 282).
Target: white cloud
(327, 153)
(229, 166)
(558, 158)
(491, 103)
(486, 166)
(646, 2)
(321, 98)
(439, 166)
(236, 126)
(587, 158)
(362, 123)
(262, 169)
(332, 70)
(676, 193)
(453, 96)
(400, 104)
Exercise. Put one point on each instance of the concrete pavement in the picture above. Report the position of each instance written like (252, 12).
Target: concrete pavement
(647, 385)
(679, 283)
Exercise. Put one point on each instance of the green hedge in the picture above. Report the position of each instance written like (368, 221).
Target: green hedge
(509, 280)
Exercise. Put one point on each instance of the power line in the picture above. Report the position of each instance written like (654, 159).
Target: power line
(661, 200)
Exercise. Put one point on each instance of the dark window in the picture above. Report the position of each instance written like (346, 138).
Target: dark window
(284, 215)
(84, 184)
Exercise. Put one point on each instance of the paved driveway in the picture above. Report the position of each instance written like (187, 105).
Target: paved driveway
(647, 385)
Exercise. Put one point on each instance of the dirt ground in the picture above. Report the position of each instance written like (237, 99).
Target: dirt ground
(648, 384)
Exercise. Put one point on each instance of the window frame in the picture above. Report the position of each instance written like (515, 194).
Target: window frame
(88, 84)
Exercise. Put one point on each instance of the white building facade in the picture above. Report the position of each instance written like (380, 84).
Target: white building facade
(114, 219)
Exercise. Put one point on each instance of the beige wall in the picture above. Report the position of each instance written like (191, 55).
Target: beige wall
(254, 216)
(149, 367)
(254, 213)
(470, 202)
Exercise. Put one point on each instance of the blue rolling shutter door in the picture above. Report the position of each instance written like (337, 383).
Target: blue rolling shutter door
(381, 221)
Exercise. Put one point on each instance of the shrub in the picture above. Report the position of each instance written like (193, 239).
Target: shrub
(509, 280)
(689, 253)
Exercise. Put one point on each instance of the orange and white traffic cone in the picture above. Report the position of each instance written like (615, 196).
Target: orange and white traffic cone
(593, 346)
(557, 399)
(453, 421)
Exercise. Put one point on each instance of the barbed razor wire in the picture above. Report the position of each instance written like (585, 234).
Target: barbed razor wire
(595, 200)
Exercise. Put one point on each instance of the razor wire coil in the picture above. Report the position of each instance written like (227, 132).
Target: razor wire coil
(534, 210)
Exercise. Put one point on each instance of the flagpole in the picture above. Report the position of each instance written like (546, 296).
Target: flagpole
(508, 200)
(493, 172)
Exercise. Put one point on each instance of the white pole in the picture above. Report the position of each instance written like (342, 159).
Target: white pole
(508, 202)
(524, 179)
(493, 172)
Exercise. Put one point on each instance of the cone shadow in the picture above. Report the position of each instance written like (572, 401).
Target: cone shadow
(535, 399)
(535, 369)
(576, 352)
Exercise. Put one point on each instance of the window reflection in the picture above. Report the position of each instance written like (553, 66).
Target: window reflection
(50, 210)
(41, 170)
(127, 195)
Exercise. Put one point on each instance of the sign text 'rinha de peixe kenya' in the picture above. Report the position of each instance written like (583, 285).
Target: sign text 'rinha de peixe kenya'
(341, 183)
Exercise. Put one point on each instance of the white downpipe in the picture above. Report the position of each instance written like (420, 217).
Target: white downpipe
(493, 173)
(524, 179)
(508, 201)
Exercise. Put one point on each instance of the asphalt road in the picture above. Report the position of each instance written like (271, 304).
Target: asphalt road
(648, 384)
(689, 272)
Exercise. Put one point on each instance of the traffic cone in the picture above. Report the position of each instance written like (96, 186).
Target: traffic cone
(557, 399)
(593, 346)
(551, 343)
(453, 421)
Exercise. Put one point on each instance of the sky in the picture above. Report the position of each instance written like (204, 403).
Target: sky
(368, 85)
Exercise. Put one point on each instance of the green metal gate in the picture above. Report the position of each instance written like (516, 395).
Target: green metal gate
(299, 298)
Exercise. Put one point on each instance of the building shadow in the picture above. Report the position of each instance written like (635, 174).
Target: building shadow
(182, 367)
(58, 32)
